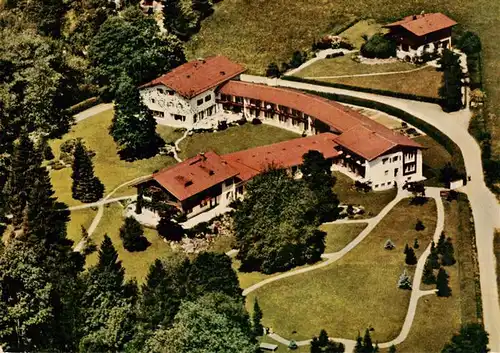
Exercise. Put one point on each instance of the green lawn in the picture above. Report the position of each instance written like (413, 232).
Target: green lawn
(136, 264)
(107, 165)
(339, 235)
(435, 157)
(438, 318)
(234, 139)
(78, 219)
(344, 65)
(373, 201)
(355, 292)
(354, 34)
(425, 82)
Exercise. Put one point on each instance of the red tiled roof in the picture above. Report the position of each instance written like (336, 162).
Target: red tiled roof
(285, 154)
(195, 175)
(421, 25)
(339, 117)
(365, 142)
(195, 77)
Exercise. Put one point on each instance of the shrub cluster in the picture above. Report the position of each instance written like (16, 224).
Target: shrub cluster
(378, 46)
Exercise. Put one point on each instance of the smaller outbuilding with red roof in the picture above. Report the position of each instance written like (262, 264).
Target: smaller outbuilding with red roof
(417, 35)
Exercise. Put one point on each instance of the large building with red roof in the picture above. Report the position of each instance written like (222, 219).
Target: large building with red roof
(419, 34)
(186, 94)
(355, 144)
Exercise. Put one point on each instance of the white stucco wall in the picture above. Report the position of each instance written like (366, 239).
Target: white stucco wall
(224, 199)
(413, 53)
(171, 105)
(382, 175)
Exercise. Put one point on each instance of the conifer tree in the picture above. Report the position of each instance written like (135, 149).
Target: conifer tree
(428, 276)
(442, 279)
(448, 257)
(159, 301)
(133, 127)
(411, 259)
(376, 349)
(25, 160)
(433, 257)
(359, 344)
(419, 226)
(86, 186)
(367, 342)
(392, 349)
(140, 200)
(109, 267)
(323, 338)
(132, 235)
(416, 245)
(404, 281)
(258, 329)
(440, 245)
(406, 249)
(315, 347)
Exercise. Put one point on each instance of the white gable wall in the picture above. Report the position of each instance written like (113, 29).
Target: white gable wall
(170, 108)
(384, 171)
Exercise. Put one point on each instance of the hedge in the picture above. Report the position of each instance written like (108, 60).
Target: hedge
(83, 105)
(366, 90)
(440, 137)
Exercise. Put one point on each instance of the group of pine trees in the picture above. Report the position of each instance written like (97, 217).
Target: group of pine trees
(322, 344)
(365, 344)
(441, 255)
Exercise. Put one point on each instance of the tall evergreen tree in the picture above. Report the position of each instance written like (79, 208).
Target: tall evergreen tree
(203, 279)
(392, 349)
(86, 186)
(318, 177)
(411, 258)
(132, 235)
(159, 301)
(440, 245)
(133, 126)
(315, 346)
(442, 279)
(359, 344)
(258, 329)
(109, 318)
(428, 276)
(24, 162)
(451, 88)
(448, 258)
(323, 338)
(367, 342)
(433, 257)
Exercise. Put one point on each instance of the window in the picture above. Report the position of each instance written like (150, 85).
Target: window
(207, 98)
(396, 170)
(152, 100)
(239, 100)
(158, 114)
(203, 203)
(394, 159)
(386, 172)
(389, 183)
(160, 90)
(228, 182)
(200, 101)
(376, 186)
(189, 210)
(384, 160)
(179, 117)
(383, 184)
(171, 93)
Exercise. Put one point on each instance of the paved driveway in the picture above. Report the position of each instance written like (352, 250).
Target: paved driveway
(485, 208)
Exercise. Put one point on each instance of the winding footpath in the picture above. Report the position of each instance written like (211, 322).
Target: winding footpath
(484, 205)
(371, 74)
(416, 293)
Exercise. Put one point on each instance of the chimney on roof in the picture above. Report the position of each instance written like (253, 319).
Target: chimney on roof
(414, 17)
(222, 73)
(203, 157)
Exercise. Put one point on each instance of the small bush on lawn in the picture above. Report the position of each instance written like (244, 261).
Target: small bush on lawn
(273, 70)
(256, 121)
(242, 121)
(378, 46)
(132, 235)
